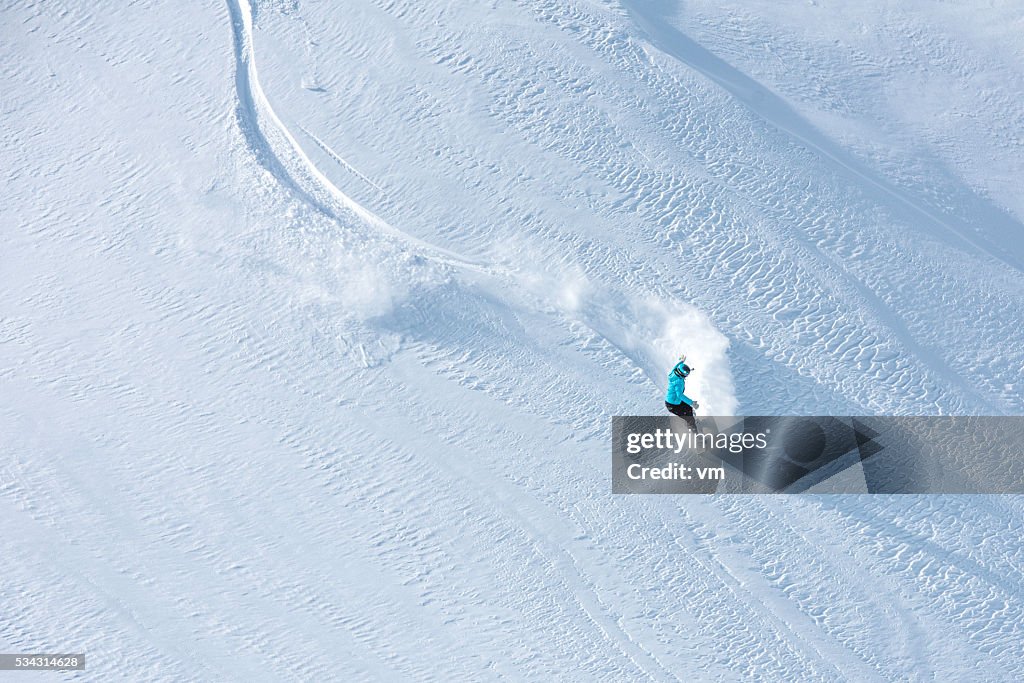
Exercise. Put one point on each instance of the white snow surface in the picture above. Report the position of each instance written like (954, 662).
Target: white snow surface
(313, 317)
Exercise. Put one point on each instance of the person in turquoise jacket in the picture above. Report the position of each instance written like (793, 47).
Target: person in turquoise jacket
(676, 400)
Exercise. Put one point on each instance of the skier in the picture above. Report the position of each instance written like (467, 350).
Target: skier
(677, 402)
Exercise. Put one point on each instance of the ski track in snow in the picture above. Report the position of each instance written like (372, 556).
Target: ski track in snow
(599, 318)
(252, 98)
(286, 426)
(334, 155)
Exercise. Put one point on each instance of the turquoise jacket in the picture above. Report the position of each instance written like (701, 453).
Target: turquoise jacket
(676, 387)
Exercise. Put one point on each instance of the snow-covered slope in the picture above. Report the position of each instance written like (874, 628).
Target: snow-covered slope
(313, 316)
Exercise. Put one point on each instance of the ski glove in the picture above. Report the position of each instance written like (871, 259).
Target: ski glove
(696, 405)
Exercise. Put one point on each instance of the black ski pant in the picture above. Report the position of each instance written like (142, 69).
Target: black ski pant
(684, 411)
